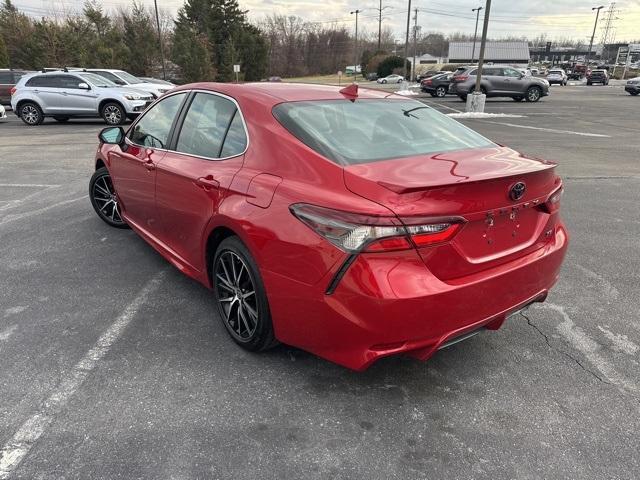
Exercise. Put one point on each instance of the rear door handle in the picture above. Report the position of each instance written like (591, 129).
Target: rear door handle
(207, 182)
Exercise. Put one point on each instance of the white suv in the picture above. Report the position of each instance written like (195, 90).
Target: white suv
(125, 79)
(63, 95)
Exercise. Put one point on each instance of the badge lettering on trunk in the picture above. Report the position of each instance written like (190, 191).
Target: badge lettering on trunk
(516, 192)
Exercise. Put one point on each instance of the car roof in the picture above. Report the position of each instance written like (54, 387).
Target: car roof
(274, 93)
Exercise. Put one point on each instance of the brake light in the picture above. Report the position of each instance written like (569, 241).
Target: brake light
(356, 233)
(552, 205)
(427, 82)
(13, 90)
(460, 78)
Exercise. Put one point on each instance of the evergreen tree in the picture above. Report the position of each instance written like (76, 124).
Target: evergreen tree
(191, 52)
(4, 55)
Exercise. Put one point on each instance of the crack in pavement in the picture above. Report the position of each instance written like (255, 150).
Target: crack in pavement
(546, 338)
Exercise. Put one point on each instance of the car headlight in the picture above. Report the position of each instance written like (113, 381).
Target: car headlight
(133, 97)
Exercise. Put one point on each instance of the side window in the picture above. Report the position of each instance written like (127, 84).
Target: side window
(6, 77)
(205, 125)
(236, 140)
(494, 72)
(51, 81)
(154, 127)
(473, 72)
(109, 76)
(69, 81)
(511, 72)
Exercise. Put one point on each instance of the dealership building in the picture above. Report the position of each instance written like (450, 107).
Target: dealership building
(510, 53)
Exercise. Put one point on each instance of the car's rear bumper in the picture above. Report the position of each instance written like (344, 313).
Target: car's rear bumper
(387, 305)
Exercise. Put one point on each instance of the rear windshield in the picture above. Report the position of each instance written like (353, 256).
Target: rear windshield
(368, 130)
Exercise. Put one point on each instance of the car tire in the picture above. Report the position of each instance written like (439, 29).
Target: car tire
(383, 81)
(240, 297)
(31, 114)
(462, 97)
(441, 92)
(60, 119)
(533, 94)
(104, 200)
(589, 83)
(633, 94)
(113, 113)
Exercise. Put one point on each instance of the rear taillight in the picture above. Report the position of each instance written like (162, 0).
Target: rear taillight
(460, 78)
(13, 90)
(355, 233)
(552, 205)
(427, 82)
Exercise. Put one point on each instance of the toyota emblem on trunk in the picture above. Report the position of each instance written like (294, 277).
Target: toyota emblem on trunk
(517, 191)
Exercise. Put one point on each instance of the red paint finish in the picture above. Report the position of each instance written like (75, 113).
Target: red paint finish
(405, 294)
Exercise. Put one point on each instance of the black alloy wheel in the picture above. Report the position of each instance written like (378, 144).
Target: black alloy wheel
(240, 296)
(104, 198)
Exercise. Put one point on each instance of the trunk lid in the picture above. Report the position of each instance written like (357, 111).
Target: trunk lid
(473, 184)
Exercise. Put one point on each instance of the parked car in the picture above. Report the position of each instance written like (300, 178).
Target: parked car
(157, 81)
(578, 72)
(122, 78)
(437, 86)
(391, 79)
(63, 95)
(404, 232)
(8, 80)
(372, 76)
(428, 74)
(557, 76)
(633, 86)
(598, 76)
(499, 82)
(3, 113)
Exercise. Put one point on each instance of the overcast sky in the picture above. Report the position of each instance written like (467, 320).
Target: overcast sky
(555, 18)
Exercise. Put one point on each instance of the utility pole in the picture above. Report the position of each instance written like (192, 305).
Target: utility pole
(597, 9)
(475, 34)
(415, 42)
(355, 63)
(475, 101)
(164, 71)
(406, 42)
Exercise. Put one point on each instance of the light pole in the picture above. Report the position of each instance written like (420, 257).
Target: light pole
(164, 72)
(597, 9)
(406, 42)
(475, 34)
(355, 48)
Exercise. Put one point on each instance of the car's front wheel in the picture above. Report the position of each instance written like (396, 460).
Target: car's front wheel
(533, 94)
(240, 296)
(441, 92)
(113, 113)
(104, 199)
(31, 114)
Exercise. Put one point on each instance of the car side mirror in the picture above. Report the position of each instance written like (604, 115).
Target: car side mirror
(111, 135)
(84, 86)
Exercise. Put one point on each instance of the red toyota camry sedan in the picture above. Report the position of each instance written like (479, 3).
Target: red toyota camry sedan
(350, 223)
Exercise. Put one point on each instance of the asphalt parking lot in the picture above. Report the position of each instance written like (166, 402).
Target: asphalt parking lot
(113, 364)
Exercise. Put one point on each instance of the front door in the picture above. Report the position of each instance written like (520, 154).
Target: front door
(133, 168)
(193, 180)
(515, 81)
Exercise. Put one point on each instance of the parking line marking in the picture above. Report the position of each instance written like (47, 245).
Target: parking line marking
(27, 185)
(19, 216)
(17, 448)
(582, 134)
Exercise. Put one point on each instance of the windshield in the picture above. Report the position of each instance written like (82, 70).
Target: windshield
(97, 80)
(127, 77)
(366, 130)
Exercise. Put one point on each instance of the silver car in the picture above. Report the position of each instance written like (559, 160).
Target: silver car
(499, 81)
(125, 79)
(391, 79)
(63, 95)
(558, 76)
